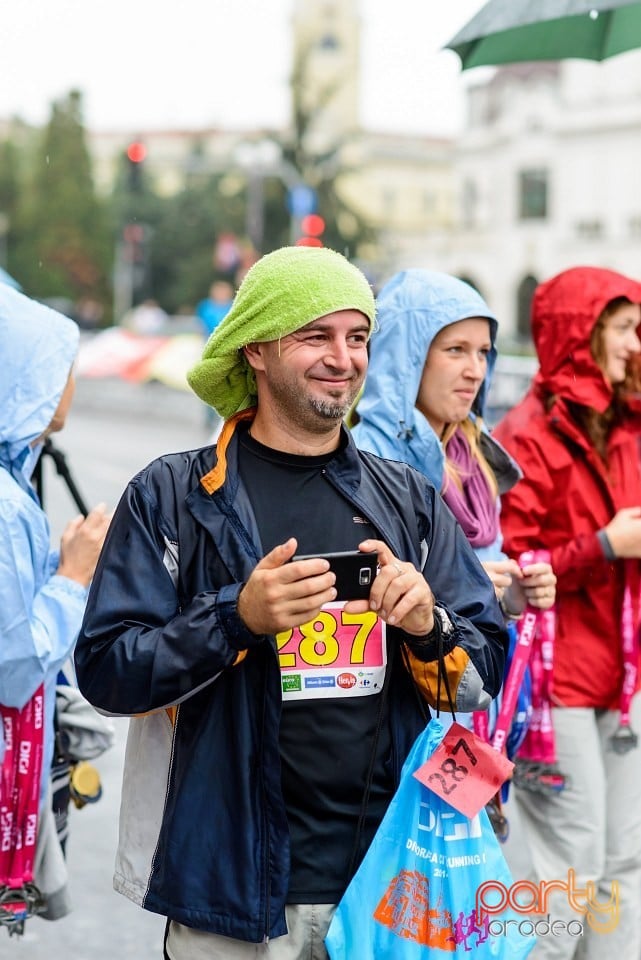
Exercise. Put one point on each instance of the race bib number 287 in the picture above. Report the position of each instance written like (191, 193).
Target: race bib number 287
(338, 654)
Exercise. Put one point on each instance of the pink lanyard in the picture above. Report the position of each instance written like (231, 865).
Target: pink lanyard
(481, 725)
(528, 630)
(20, 790)
(538, 744)
(624, 738)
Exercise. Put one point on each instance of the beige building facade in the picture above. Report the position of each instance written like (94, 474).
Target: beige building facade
(402, 185)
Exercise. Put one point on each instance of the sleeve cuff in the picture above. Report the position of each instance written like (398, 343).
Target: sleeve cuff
(70, 586)
(236, 633)
(426, 648)
(606, 546)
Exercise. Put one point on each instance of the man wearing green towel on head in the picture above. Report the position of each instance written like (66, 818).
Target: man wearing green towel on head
(271, 716)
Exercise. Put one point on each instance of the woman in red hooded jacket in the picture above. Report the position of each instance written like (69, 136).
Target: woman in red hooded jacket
(577, 437)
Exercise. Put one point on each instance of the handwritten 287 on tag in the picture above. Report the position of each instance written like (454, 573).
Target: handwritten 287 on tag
(464, 771)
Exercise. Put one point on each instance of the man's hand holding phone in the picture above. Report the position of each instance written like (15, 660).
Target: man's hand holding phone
(281, 594)
(283, 591)
(400, 595)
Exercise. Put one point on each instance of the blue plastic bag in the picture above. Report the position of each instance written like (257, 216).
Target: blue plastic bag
(414, 895)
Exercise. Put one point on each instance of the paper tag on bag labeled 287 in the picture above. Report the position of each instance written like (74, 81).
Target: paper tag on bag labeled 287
(464, 771)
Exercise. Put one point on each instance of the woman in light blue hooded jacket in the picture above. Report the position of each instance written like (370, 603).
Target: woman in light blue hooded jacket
(42, 592)
(431, 362)
(430, 368)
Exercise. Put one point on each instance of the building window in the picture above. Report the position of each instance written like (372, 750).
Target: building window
(429, 203)
(388, 201)
(634, 226)
(533, 194)
(469, 203)
(329, 42)
(589, 229)
(524, 296)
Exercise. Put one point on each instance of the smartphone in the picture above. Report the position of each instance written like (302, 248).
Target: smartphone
(355, 572)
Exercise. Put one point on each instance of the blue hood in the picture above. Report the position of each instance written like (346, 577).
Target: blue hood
(37, 348)
(411, 309)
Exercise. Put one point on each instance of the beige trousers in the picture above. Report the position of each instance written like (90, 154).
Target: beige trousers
(594, 827)
(307, 925)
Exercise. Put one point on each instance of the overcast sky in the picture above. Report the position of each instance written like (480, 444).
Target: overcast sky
(145, 64)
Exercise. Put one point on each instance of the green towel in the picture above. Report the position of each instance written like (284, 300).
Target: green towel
(283, 291)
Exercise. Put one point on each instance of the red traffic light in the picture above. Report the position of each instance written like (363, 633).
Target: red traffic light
(136, 152)
(312, 225)
(309, 242)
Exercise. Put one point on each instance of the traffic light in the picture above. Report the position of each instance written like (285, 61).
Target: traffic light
(136, 153)
(312, 226)
(135, 252)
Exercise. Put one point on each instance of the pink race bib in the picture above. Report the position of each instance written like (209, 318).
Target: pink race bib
(338, 654)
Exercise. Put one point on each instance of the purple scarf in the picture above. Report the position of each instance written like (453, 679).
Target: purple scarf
(474, 506)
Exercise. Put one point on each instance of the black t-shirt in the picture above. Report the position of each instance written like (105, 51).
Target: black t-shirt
(325, 744)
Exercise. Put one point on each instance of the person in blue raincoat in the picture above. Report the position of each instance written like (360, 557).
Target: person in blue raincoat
(42, 592)
(215, 306)
(431, 362)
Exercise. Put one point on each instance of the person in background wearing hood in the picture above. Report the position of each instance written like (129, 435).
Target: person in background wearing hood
(431, 362)
(42, 593)
(576, 435)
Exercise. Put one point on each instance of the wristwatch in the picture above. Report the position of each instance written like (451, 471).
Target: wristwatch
(442, 628)
(445, 625)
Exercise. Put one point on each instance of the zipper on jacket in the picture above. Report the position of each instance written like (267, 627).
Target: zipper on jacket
(170, 771)
(267, 887)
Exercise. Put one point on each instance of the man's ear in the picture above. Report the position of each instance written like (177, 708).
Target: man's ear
(254, 356)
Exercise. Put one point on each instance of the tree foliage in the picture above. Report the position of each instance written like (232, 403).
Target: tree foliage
(62, 242)
(61, 238)
(184, 240)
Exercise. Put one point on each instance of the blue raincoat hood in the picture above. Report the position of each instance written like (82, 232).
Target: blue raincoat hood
(37, 348)
(411, 309)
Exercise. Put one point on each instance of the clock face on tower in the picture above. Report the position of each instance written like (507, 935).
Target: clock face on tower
(329, 41)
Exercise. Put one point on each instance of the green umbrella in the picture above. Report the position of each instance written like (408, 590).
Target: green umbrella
(513, 31)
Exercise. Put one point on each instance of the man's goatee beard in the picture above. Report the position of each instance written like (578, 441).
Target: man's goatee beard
(331, 410)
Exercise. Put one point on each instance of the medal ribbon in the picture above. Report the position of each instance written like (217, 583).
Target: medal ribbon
(543, 654)
(20, 790)
(624, 738)
(481, 724)
(527, 634)
(629, 648)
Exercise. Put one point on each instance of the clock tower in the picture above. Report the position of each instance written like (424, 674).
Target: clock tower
(326, 39)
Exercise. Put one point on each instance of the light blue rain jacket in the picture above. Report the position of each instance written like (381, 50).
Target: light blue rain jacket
(40, 613)
(411, 309)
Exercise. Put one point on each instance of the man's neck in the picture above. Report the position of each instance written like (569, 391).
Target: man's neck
(291, 438)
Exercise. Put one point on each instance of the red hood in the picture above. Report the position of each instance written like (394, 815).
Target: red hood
(564, 311)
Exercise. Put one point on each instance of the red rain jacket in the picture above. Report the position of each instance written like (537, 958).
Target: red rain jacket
(567, 493)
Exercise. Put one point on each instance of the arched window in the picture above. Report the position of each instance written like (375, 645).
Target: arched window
(524, 296)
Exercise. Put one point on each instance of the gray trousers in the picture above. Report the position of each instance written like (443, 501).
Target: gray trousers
(594, 827)
(307, 925)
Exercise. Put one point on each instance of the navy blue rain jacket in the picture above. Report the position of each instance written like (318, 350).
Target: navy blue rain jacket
(203, 835)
